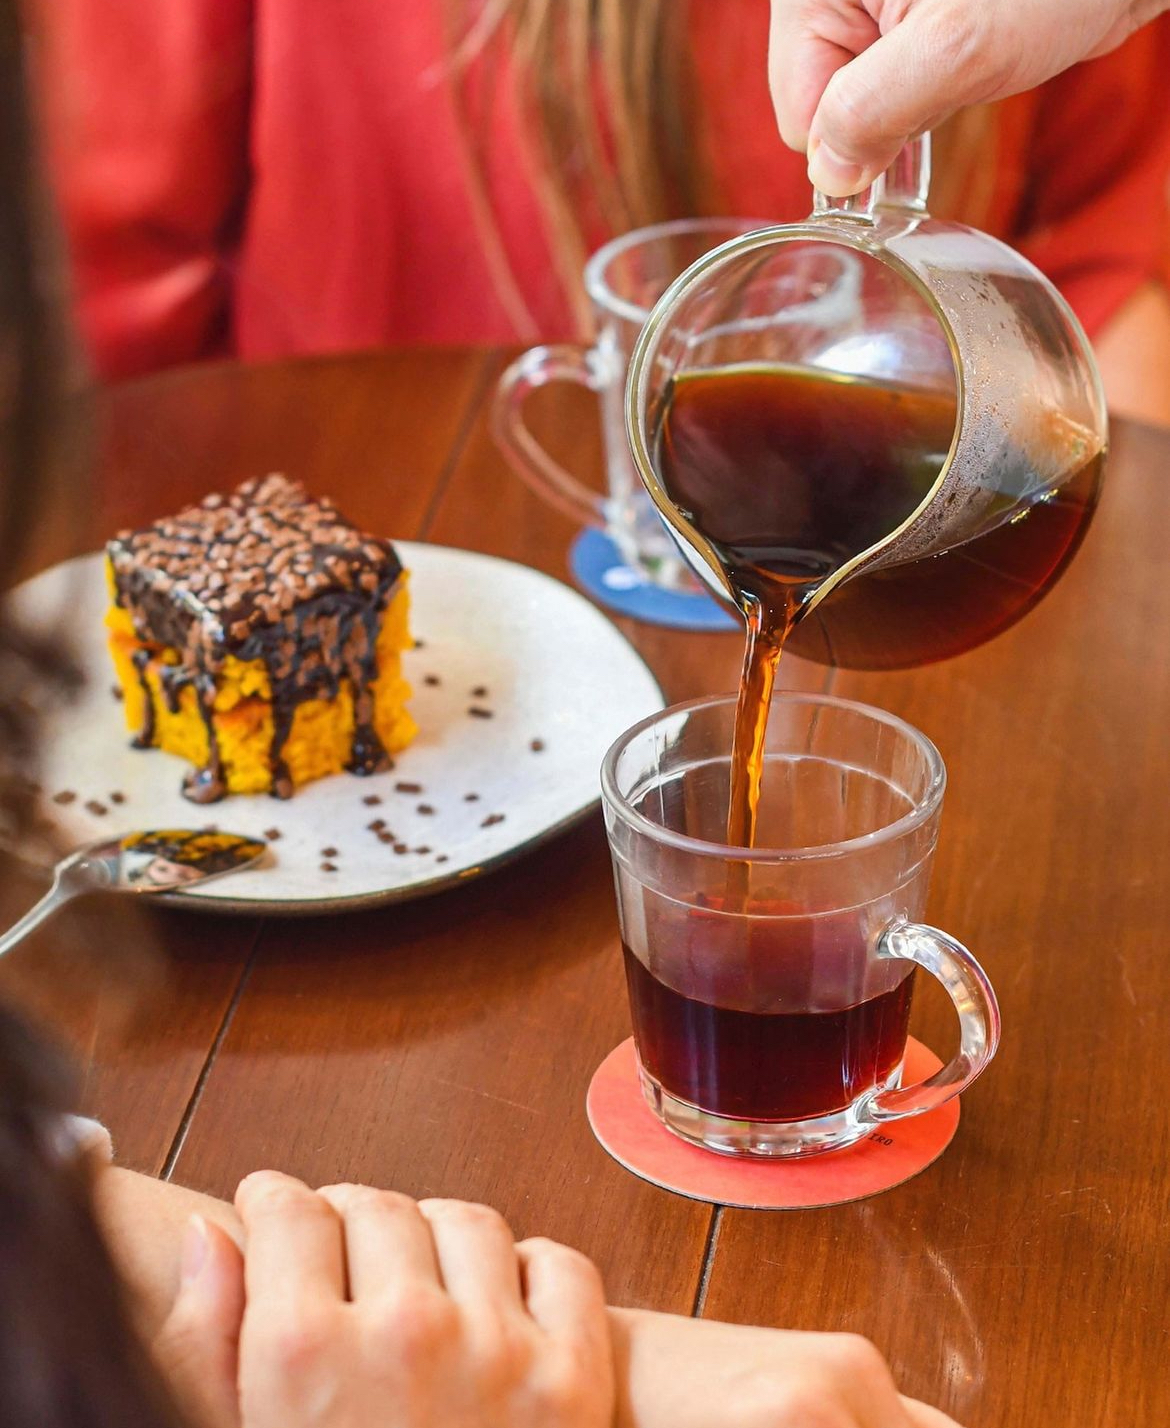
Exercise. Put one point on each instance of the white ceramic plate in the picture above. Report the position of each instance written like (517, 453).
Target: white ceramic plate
(559, 680)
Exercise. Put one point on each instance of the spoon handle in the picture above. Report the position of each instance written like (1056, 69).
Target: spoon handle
(36, 914)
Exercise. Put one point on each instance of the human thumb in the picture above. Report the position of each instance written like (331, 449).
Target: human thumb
(198, 1344)
(936, 59)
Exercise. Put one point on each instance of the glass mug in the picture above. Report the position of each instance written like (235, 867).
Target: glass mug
(770, 987)
(967, 532)
(624, 280)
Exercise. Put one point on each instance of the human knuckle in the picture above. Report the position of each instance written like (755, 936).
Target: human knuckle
(805, 1405)
(848, 114)
(561, 1391)
(858, 1356)
(570, 1264)
(955, 40)
(295, 1343)
(467, 1213)
(414, 1325)
(276, 1195)
(355, 1198)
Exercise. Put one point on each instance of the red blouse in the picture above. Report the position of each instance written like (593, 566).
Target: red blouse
(274, 176)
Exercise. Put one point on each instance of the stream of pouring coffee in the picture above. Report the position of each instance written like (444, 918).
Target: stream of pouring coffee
(790, 473)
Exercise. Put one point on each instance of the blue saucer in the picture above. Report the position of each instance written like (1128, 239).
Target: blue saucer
(601, 572)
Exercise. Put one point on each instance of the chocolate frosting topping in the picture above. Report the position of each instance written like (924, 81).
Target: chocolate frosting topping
(267, 573)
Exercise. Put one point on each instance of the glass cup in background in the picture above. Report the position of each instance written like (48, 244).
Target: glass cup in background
(624, 280)
(770, 987)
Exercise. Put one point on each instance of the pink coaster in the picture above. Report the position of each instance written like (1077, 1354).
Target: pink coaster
(895, 1152)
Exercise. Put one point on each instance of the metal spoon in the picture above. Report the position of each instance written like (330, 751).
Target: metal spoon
(156, 861)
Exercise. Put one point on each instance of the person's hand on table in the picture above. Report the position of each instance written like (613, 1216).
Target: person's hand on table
(853, 80)
(694, 1373)
(363, 1308)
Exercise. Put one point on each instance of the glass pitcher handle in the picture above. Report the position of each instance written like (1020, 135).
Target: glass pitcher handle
(966, 984)
(904, 185)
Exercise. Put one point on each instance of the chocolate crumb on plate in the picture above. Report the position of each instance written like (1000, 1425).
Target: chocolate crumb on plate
(491, 819)
(425, 808)
(65, 796)
(408, 787)
(537, 746)
(96, 807)
(371, 800)
(477, 711)
(328, 867)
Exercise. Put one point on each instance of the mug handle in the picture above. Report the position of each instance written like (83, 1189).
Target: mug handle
(967, 985)
(904, 186)
(563, 362)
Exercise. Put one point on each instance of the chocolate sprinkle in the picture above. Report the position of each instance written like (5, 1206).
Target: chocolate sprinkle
(117, 691)
(442, 858)
(426, 809)
(471, 798)
(423, 849)
(492, 818)
(65, 796)
(401, 848)
(328, 867)
(329, 852)
(98, 809)
(477, 712)
(409, 787)
(117, 797)
(431, 679)
(272, 834)
(385, 836)
(376, 825)
(479, 692)
(537, 746)
(371, 800)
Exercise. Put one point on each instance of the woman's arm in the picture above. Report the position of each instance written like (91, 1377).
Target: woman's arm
(670, 1371)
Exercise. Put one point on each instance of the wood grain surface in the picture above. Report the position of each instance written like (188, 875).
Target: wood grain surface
(444, 1046)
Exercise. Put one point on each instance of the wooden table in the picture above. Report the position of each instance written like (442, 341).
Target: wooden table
(444, 1047)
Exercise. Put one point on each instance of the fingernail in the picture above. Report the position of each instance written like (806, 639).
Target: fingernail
(832, 174)
(194, 1252)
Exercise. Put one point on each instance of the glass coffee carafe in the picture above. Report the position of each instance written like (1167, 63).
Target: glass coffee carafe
(902, 475)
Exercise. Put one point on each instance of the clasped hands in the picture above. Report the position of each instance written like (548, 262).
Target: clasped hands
(351, 1307)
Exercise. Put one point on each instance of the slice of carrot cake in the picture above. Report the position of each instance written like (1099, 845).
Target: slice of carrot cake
(259, 636)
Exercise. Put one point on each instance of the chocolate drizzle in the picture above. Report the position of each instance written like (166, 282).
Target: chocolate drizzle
(269, 575)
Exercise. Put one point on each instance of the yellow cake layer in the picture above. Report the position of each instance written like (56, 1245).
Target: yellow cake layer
(321, 738)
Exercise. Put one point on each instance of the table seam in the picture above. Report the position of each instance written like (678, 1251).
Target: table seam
(489, 369)
(179, 1139)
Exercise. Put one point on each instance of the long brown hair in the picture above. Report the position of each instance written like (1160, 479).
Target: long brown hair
(69, 1357)
(606, 91)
